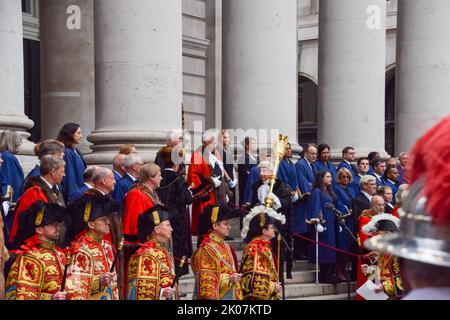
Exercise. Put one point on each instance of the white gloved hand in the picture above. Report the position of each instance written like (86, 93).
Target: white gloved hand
(217, 182)
(320, 228)
(6, 206)
(232, 183)
(295, 197)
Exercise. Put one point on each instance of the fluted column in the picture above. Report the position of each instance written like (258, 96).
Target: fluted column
(67, 66)
(138, 69)
(12, 115)
(423, 68)
(352, 53)
(260, 65)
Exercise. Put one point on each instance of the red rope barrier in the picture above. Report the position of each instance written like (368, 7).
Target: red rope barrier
(326, 245)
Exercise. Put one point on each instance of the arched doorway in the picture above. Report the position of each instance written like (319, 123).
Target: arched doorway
(307, 111)
(390, 112)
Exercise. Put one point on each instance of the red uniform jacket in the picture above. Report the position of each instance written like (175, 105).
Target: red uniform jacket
(364, 219)
(199, 168)
(37, 190)
(137, 201)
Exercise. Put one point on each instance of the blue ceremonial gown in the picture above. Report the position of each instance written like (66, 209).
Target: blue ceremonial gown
(344, 204)
(288, 174)
(306, 177)
(117, 176)
(322, 166)
(122, 187)
(13, 173)
(75, 167)
(252, 178)
(344, 164)
(317, 204)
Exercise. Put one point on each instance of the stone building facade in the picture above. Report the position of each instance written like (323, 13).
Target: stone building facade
(368, 73)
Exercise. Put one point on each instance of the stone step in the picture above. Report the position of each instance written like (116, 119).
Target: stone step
(308, 291)
(186, 283)
(340, 296)
(313, 290)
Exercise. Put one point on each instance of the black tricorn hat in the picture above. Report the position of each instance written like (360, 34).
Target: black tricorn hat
(39, 214)
(150, 219)
(215, 213)
(88, 208)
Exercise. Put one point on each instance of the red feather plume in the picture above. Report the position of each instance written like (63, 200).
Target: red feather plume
(431, 160)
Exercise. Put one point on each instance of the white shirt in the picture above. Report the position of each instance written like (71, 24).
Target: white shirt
(88, 185)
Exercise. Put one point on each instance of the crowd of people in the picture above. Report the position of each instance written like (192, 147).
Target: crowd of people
(72, 231)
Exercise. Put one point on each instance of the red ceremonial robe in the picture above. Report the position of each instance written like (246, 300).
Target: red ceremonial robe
(364, 219)
(199, 167)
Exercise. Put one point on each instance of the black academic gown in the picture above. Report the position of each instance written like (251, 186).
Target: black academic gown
(176, 196)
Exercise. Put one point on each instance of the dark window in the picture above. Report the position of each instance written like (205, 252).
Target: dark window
(32, 92)
(307, 111)
(390, 112)
(26, 6)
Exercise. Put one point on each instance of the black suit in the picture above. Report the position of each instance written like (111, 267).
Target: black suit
(245, 164)
(359, 204)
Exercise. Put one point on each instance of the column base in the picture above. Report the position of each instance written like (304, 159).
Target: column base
(19, 123)
(106, 144)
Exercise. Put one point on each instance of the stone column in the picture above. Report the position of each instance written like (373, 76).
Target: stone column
(138, 67)
(260, 65)
(12, 115)
(67, 66)
(423, 68)
(352, 53)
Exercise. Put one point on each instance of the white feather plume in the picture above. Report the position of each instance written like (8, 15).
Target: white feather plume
(256, 211)
(372, 225)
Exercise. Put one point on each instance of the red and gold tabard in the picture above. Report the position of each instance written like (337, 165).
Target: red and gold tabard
(213, 263)
(150, 270)
(37, 272)
(91, 257)
(390, 276)
(260, 276)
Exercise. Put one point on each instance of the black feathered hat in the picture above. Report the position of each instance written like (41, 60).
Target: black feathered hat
(150, 219)
(39, 214)
(88, 208)
(215, 213)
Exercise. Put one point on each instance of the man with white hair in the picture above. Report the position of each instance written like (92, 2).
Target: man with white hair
(362, 200)
(174, 139)
(133, 164)
(205, 177)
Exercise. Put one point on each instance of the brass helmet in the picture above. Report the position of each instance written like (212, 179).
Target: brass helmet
(420, 238)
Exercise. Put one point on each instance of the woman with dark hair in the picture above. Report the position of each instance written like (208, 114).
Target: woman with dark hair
(70, 135)
(322, 194)
(323, 163)
(10, 141)
(373, 156)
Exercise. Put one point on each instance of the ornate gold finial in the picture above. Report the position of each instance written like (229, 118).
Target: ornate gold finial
(279, 148)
